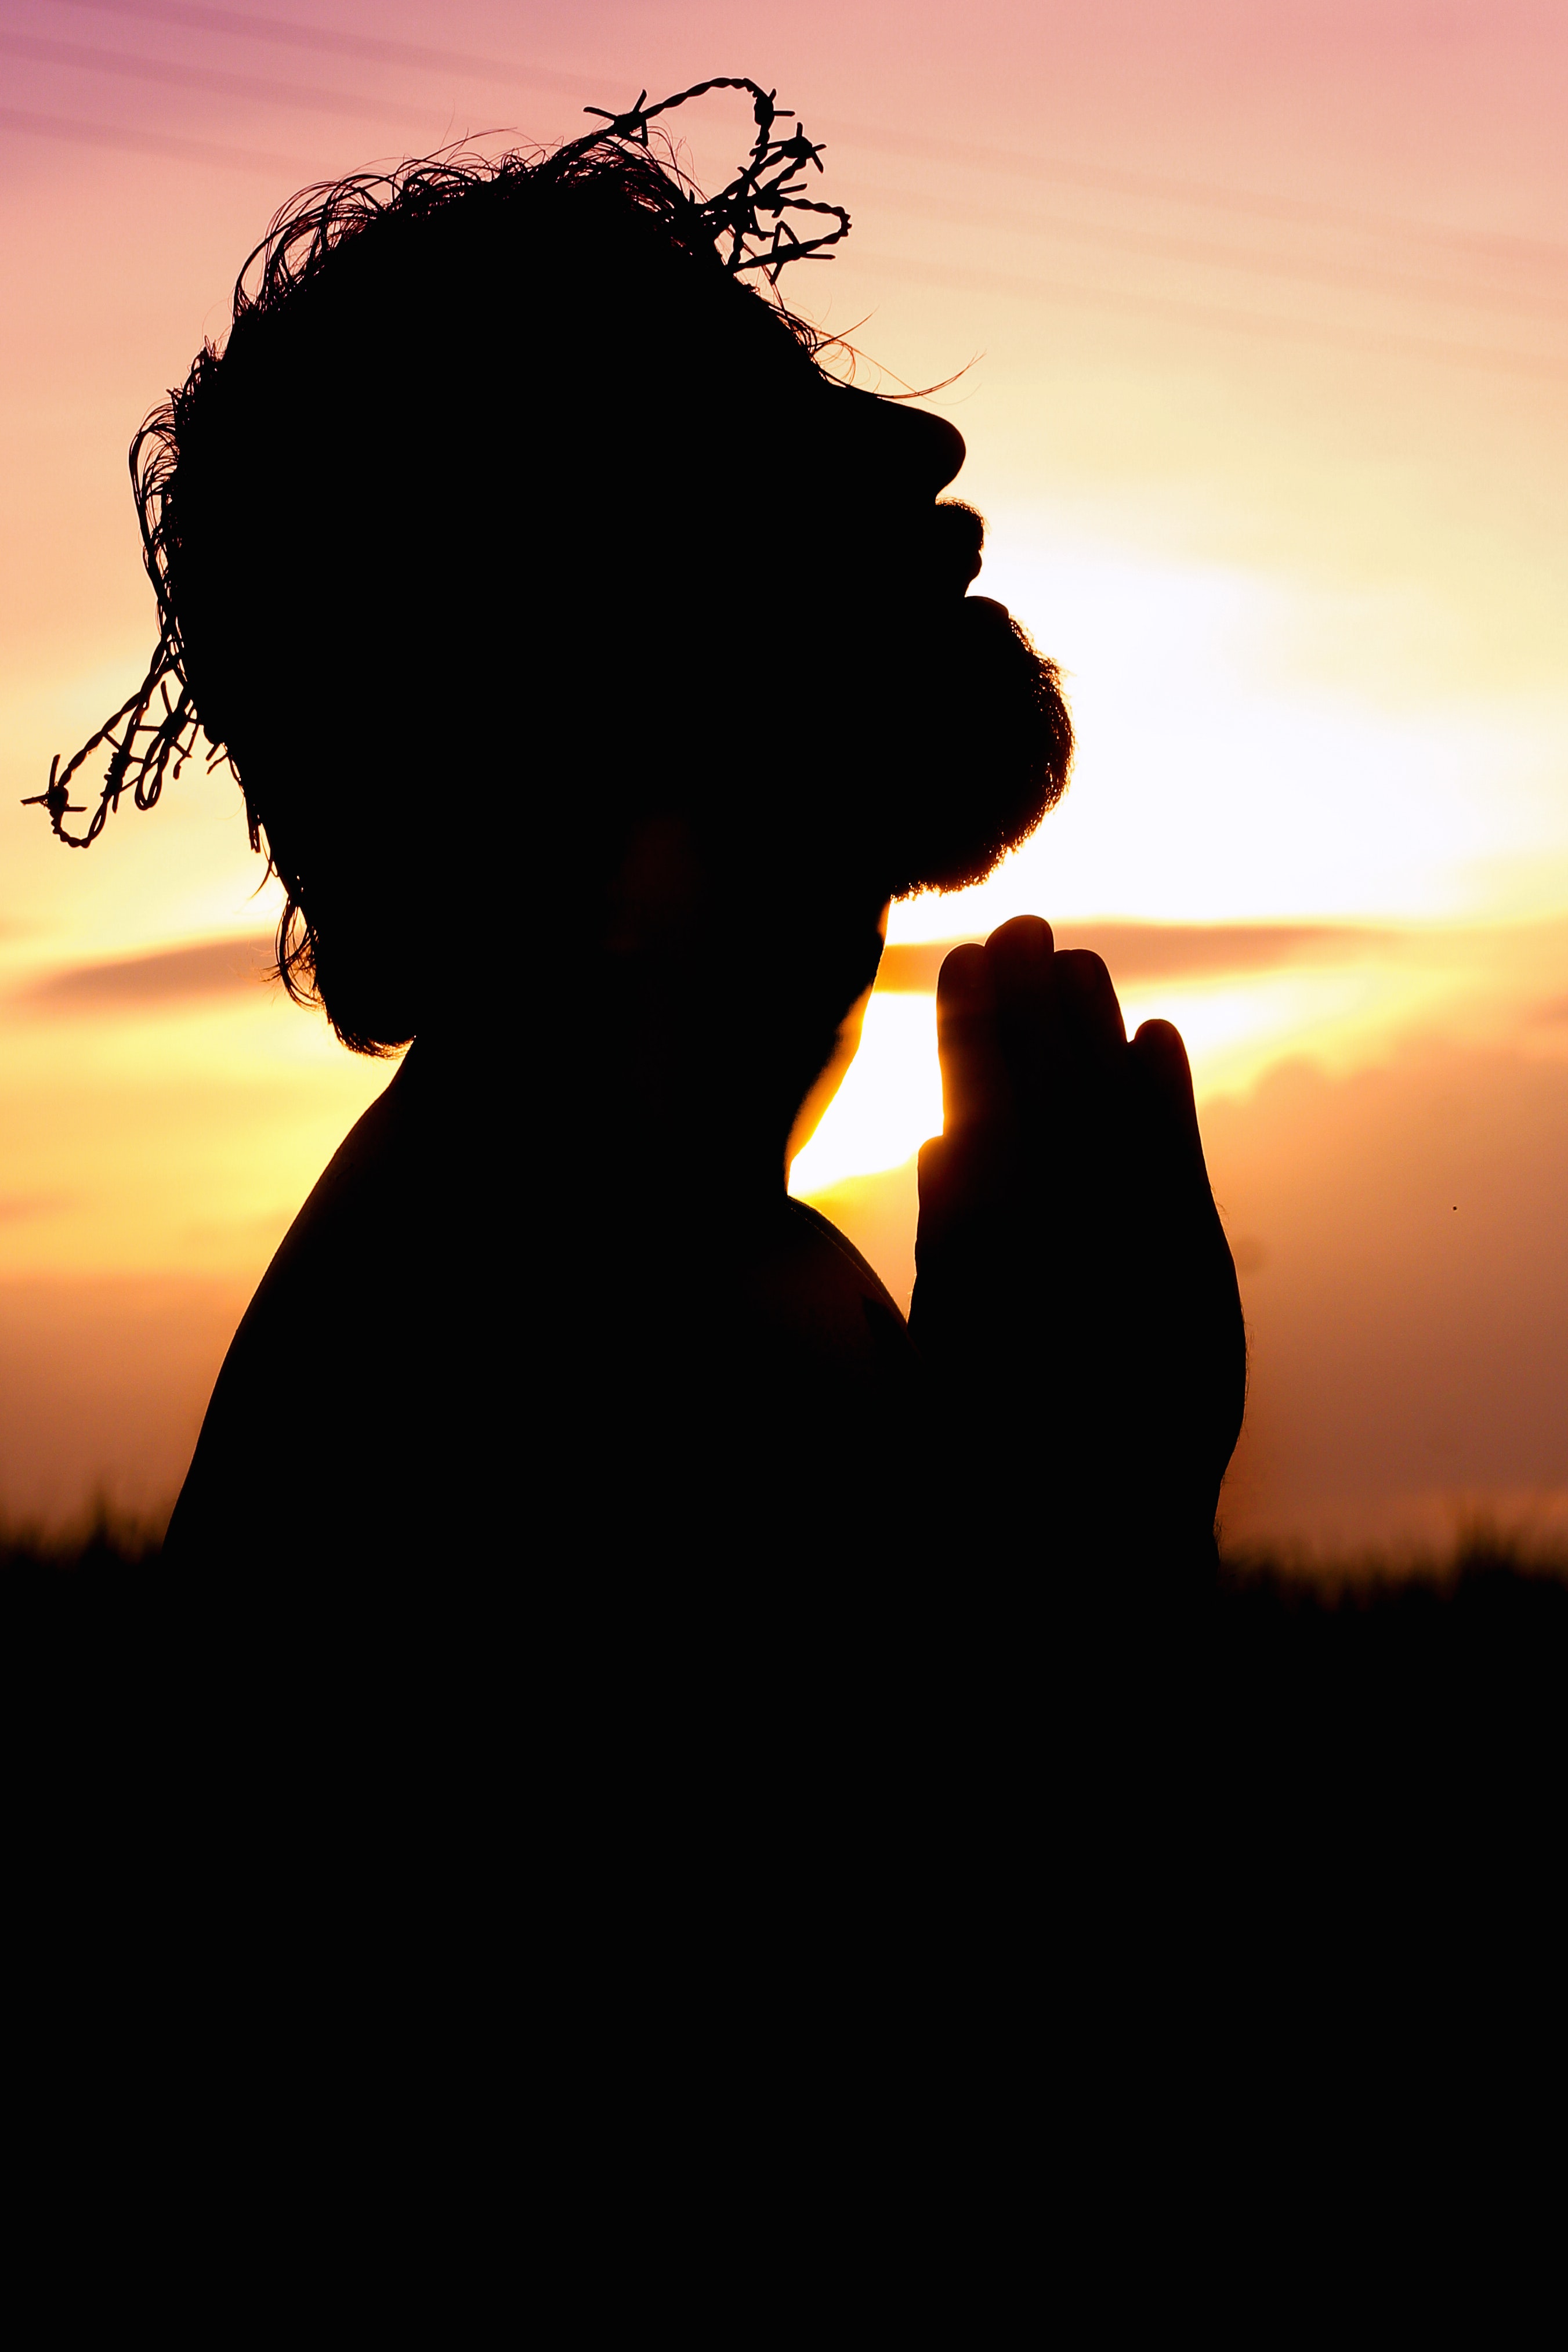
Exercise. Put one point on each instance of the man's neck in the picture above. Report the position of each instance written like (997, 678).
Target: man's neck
(605, 1120)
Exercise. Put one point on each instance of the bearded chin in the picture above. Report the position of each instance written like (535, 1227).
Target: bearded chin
(986, 746)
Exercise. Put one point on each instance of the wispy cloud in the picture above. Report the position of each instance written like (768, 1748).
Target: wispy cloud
(1166, 951)
(142, 984)
(20, 1208)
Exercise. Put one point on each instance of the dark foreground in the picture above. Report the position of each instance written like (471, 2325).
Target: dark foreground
(959, 1800)
(1448, 1651)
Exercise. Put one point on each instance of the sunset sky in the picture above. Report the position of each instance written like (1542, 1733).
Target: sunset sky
(1259, 315)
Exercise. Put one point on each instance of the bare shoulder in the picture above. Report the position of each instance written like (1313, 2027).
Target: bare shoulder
(820, 1241)
(335, 1326)
(817, 1291)
(355, 1188)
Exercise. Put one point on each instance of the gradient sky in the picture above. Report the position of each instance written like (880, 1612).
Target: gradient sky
(1261, 316)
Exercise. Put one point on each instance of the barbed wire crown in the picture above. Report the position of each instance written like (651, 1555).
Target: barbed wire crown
(737, 212)
(155, 730)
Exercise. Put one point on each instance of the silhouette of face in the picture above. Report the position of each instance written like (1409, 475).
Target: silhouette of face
(871, 728)
(849, 723)
(629, 552)
(931, 734)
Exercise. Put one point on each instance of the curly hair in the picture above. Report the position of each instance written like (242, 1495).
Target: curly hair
(344, 282)
(499, 520)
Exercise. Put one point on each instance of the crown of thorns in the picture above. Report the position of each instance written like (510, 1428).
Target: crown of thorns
(767, 183)
(747, 220)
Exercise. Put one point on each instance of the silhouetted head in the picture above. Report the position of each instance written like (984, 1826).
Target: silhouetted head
(510, 529)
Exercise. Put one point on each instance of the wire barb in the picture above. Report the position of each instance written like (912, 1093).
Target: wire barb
(733, 216)
(137, 758)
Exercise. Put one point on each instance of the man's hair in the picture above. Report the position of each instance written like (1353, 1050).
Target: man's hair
(501, 518)
(330, 507)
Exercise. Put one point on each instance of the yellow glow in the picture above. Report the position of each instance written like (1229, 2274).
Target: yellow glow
(889, 1103)
(1214, 778)
(183, 1140)
(1484, 986)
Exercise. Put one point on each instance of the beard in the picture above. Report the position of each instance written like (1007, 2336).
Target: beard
(981, 744)
(911, 748)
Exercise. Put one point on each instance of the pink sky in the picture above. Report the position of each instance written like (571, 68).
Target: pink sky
(1264, 324)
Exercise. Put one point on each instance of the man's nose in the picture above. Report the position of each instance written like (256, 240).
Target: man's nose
(922, 452)
(941, 451)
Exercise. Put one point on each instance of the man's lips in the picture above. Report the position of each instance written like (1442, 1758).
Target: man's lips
(959, 534)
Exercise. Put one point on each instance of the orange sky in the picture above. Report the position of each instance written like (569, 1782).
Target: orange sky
(1264, 321)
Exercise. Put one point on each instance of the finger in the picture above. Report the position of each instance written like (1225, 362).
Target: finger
(1059, 1019)
(1160, 1059)
(976, 1088)
(1089, 1016)
(1021, 956)
(972, 1171)
(1026, 937)
(939, 1174)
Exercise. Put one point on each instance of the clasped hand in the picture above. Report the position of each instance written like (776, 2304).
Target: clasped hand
(1075, 1293)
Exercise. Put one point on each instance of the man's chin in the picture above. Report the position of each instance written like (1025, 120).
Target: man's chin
(987, 751)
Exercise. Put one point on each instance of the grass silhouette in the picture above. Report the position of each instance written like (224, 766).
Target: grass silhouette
(1495, 1601)
(1347, 1728)
(103, 1545)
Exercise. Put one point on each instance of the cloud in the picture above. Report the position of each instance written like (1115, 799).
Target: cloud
(1166, 951)
(149, 983)
(21, 1208)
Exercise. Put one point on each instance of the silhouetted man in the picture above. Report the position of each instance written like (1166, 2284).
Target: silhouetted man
(597, 668)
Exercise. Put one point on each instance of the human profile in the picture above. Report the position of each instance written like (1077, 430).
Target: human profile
(597, 666)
